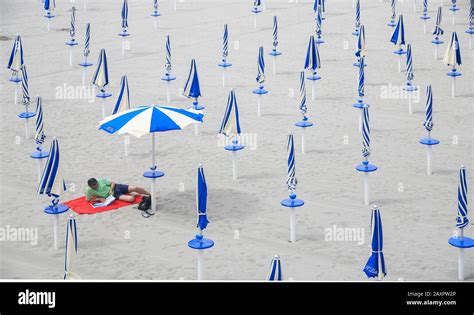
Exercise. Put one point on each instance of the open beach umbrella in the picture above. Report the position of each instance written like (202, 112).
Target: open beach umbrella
(16, 61)
(143, 120)
(201, 200)
(275, 270)
(230, 127)
(192, 88)
(375, 266)
(360, 52)
(312, 62)
(71, 249)
(53, 185)
(452, 57)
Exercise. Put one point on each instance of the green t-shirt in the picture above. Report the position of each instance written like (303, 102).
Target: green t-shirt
(101, 192)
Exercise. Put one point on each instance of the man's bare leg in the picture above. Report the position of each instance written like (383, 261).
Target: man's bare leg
(138, 190)
(128, 198)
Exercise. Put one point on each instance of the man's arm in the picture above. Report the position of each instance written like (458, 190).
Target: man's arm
(112, 187)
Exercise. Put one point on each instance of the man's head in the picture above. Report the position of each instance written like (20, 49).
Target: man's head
(93, 183)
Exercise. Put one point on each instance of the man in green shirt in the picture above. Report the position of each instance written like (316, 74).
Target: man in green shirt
(99, 189)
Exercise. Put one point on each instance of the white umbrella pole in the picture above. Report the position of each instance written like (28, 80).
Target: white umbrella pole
(84, 76)
(410, 105)
(461, 275)
(453, 90)
(223, 76)
(16, 93)
(55, 230)
(436, 52)
(366, 188)
(259, 100)
(255, 22)
(200, 264)
(153, 200)
(360, 119)
(126, 142)
(303, 147)
(123, 45)
(234, 165)
(424, 26)
(48, 26)
(313, 93)
(168, 97)
(428, 160)
(70, 56)
(156, 27)
(454, 23)
(103, 107)
(399, 63)
(274, 64)
(470, 42)
(292, 224)
(353, 4)
(414, 6)
(26, 127)
(196, 129)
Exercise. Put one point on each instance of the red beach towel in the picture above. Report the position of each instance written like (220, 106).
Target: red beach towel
(82, 206)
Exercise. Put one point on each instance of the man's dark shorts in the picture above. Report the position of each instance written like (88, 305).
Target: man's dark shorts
(119, 190)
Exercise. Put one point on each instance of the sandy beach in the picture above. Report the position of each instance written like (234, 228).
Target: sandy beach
(247, 222)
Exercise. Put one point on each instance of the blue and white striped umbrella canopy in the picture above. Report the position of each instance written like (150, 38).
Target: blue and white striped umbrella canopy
(361, 85)
(144, 120)
(72, 28)
(25, 87)
(52, 181)
(71, 248)
(291, 180)
(360, 52)
(398, 36)
(303, 107)
(409, 73)
(365, 132)
(425, 7)
(49, 6)
(257, 3)
(375, 266)
(39, 134)
(439, 16)
(155, 6)
(125, 16)
(357, 15)
(168, 66)
(313, 60)
(225, 44)
(101, 74)
(275, 270)
(230, 126)
(201, 199)
(462, 219)
(319, 22)
(123, 100)
(16, 61)
(428, 124)
(191, 88)
(87, 40)
(275, 32)
(394, 9)
(260, 67)
(452, 56)
(471, 15)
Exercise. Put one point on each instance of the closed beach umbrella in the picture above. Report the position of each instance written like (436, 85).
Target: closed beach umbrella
(16, 61)
(398, 38)
(291, 180)
(275, 270)
(375, 266)
(71, 249)
(168, 67)
(452, 57)
(39, 134)
(439, 16)
(394, 13)
(260, 67)
(409, 72)
(312, 62)
(428, 124)
(124, 16)
(201, 200)
(360, 52)
(25, 99)
(101, 74)
(49, 6)
(123, 100)
(357, 18)
(192, 88)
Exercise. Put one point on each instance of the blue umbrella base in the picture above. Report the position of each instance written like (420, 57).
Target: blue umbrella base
(104, 95)
(303, 124)
(454, 73)
(71, 43)
(200, 243)
(26, 115)
(392, 24)
(465, 242)
(409, 88)
(400, 52)
(197, 107)
(319, 41)
(470, 31)
(39, 155)
(85, 64)
(260, 91)
(156, 14)
(437, 41)
(454, 9)
(153, 174)
(292, 203)
(234, 147)
(359, 104)
(357, 64)
(355, 33)
(58, 209)
(429, 141)
(168, 77)
(49, 16)
(425, 17)
(225, 64)
(314, 77)
(256, 11)
(274, 52)
(124, 34)
(15, 80)
(366, 168)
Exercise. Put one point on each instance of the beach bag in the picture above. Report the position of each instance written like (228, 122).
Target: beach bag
(145, 204)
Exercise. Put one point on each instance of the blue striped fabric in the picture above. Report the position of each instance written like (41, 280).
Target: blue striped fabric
(39, 134)
(71, 233)
(52, 182)
(231, 123)
(471, 14)
(394, 9)
(425, 7)
(201, 199)
(376, 264)
(428, 124)
(360, 52)
(72, 29)
(123, 100)
(275, 32)
(365, 132)
(168, 54)
(225, 44)
(25, 87)
(87, 40)
(49, 6)
(125, 16)
(313, 60)
(192, 88)
(439, 16)
(260, 67)
(275, 270)
(357, 15)
(303, 107)
(155, 6)
(319, 22)
(361, 85)
(16, 61)
(291, 180)
(462, 219)
(398, 36)
(101, 74)
(452, 56)
(409, 73)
